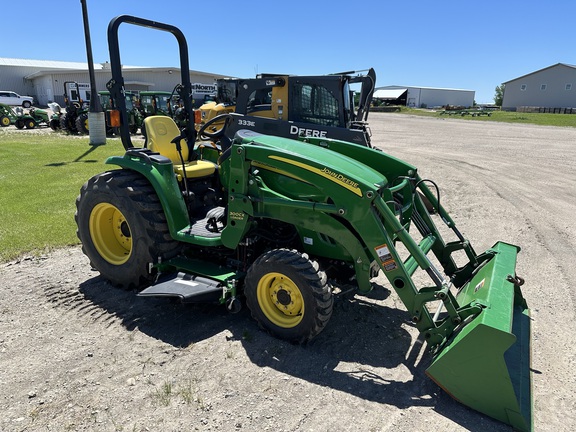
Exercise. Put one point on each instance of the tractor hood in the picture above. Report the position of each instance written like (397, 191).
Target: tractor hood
(301, 157)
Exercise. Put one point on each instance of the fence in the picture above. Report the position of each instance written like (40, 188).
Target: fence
(527, 109)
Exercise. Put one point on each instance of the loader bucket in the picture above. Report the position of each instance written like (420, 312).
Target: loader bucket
(486, 364)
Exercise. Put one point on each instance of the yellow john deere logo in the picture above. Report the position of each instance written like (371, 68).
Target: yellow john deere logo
(345, 182)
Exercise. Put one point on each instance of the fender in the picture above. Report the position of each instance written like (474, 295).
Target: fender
(159, 171)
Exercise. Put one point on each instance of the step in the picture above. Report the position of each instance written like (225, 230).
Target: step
(189, 288)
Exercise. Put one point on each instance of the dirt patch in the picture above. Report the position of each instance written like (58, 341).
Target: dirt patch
(78, 354)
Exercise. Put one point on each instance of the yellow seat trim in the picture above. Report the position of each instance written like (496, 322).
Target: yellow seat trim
(161, 130)
(197, 168)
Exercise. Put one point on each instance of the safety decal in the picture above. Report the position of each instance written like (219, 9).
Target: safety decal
(480, 285)
(385, 256)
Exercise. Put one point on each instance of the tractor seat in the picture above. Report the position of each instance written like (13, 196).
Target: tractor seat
(160, 131)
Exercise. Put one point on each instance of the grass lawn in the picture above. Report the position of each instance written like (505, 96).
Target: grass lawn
(562, 120)
(40, 178)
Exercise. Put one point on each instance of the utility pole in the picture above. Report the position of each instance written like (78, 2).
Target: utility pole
(96, 118)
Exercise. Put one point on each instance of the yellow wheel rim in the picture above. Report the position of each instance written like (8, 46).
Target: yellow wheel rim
(281, 300)
(110, 233)
(5, 121)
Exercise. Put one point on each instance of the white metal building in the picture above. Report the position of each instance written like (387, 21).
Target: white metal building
(551, 87)
(44, 79)
(425, 97)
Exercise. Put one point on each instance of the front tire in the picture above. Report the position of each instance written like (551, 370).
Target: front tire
(123, 228)
(288, 295)
(4, 121)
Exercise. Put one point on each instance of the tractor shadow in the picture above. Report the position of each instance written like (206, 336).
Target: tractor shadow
(364, 351)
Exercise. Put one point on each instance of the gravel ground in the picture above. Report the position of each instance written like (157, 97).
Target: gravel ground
(77, 354)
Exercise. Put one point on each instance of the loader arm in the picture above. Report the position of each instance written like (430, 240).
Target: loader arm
(469, 313)
(367, 91)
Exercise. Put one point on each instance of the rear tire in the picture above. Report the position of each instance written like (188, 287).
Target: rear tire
(30, 123)
(82, 124)
(288, 295)
(68, 123)
(19, 124)
(123, 228)
(55, 124)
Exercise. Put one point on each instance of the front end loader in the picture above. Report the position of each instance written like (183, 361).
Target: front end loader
(288, 224)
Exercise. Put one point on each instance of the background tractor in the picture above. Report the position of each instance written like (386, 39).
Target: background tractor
(163, 103)
(294, 105)
(155, 103)
(75, 118)
(288, 224)
(9, 116)
(133, 114)
(40, 116)
(56, 115)
(223, 103)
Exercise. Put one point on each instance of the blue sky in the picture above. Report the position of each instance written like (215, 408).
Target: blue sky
(473, 45)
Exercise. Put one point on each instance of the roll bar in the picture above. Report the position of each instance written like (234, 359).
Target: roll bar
(116, 84)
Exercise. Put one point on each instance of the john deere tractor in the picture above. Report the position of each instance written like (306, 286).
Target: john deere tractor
(10, 117)
(286, 224)
(155, 103)
(41, 117)
(133, 114)
(20, 119)
(162, 103)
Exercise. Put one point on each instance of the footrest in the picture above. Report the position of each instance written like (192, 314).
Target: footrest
(189, 288)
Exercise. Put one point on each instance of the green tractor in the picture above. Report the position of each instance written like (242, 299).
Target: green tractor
(163, 103)
(8, 116)
(155, 103)
(135, 118)
(288, 224)
(41, 117)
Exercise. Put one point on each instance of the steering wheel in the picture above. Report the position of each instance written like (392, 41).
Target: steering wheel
(203, 133)
(175, 90)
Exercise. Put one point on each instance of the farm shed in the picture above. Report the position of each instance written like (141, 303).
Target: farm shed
(421, 97)
(44, 79)
(551, 87)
